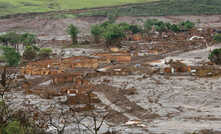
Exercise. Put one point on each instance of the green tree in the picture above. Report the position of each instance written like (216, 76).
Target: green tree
(215, 56)
(96, 31)
(112, 34)
(186, 25)
(149, 23)
(174, 28)
(11, 56)
(10, 38)
(28, 39)
(30, 52)
(135, 29)
(45, 52)
(124, 26)
(73, 32)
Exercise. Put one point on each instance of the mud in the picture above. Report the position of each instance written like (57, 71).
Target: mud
(127, 82)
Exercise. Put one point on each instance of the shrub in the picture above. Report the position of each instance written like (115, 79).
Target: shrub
(45, 52)
(105, 24)
(96, 31)
(13, 127)
(186, 25)
(11, 56)
(148, 24)
(124, 26)
(112, 34)
(135, 29)
(30, 52)
(174, 28)
(160, 26)
(73, 32)
(215, 56)
(217, 37)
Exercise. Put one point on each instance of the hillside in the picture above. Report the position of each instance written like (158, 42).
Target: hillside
(164, 7)
(24, 6)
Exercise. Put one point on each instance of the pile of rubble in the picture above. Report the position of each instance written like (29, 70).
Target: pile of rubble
(68, 76)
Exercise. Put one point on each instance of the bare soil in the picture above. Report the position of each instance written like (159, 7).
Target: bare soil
(160, 103)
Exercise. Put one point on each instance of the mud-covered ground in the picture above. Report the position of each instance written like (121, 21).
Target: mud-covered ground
(140, 102)
(49, 27)
(168, 104)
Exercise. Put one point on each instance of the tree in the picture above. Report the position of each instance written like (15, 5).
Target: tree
(28, 39)
(30, 52)
(73, 32)
(174, 28)
(148, 24)
(45, 52)
(10, 38)
(11, 56)
(113, 34)
(135, 29)
(96, 31)
(124, 26)
(186, 25)
(215, 56)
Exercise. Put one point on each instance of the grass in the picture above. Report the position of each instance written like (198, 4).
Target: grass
(148, 8)
(24, 6)
(164, 7)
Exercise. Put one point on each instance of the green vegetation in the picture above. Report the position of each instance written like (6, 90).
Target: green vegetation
(25, 6)
(13, 127)
(12, 122)
(165, 7)
(135, 29)
(12, 38)
(124, 26)
(97, 31)
(11, 56)
(161, 26)
(45, 52)
(30, 52)
(217, 37)
(28, 39)
(147, 8)
(112, 34)
(148, 24)
(73, 32)
(215, 56)
(187, 25)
